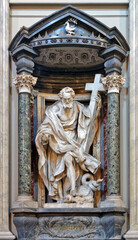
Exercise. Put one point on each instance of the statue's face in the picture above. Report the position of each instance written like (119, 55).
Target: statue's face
(67, 100)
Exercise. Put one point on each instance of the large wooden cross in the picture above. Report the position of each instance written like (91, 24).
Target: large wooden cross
(95, 88)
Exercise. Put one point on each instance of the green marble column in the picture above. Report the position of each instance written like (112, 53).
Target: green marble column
(113, 84)
(24, 83)
(113, 143)
(24, 145)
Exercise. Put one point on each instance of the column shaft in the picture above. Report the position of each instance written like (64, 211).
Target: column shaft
(113, 143)
(113, 84)
(24, 145)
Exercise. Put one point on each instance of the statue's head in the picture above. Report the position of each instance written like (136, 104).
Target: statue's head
(67, 95)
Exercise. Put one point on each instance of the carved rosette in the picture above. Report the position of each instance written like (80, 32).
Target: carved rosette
(24, 82)
(113, 83)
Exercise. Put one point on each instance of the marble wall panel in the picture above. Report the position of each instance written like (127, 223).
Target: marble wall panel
(4, 122)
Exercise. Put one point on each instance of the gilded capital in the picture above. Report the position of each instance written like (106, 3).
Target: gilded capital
(24, 82)
(113, 83)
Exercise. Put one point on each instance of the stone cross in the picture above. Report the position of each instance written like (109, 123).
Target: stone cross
(95, 88)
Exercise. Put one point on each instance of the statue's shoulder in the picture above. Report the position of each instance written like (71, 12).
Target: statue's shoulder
(55, 107)
(84, 109)
(79, 105)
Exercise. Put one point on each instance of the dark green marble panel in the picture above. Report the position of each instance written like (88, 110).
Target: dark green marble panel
(113, 145)
(24, 145)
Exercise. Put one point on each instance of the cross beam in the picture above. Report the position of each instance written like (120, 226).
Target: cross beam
(96, 86)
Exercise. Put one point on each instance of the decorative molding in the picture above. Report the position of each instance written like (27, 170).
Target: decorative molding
(114, 12)
(62, 37)
(24, 82)
(19, 2)
(113, 83)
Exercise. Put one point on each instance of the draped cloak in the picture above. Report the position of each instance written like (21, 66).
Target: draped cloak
(55, 138)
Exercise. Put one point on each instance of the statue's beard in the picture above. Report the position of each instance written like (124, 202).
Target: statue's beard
(67, 105)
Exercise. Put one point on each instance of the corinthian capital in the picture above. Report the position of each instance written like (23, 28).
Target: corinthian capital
(113, 83)
(24, 82)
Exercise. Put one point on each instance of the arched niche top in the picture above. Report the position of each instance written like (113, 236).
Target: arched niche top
(50, 46)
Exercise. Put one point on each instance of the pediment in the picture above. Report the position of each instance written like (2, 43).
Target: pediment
(67, 41)
(51, 31)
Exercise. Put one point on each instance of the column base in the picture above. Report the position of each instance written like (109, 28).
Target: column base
(112, 201)
(6, 235)
(24, 202)
(131, 235)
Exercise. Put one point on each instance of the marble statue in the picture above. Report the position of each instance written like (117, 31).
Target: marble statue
(65, 165)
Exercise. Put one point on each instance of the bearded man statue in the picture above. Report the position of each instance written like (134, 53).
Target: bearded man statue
(62, 141)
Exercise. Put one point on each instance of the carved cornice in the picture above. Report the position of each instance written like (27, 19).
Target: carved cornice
(113, 83)
(62, 38)
(24, 82)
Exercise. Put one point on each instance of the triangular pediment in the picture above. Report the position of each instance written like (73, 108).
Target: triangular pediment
(87, 31)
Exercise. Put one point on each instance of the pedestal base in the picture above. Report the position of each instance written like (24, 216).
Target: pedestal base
(24, 202)
(112, 201)
(69, 223)
(6, 236)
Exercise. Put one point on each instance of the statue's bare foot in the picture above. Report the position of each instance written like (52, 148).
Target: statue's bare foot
(73, 193)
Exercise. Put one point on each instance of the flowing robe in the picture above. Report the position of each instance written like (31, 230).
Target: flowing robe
(55, 138)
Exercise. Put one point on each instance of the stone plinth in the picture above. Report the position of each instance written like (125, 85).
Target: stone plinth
(69, 223)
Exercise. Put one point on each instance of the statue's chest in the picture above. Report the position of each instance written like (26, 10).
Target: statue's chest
(70, 119)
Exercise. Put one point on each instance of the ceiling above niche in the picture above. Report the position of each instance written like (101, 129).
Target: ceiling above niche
(69, 57)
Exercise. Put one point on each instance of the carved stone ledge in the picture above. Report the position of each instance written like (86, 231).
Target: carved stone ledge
(113, 83)
(24, 82)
